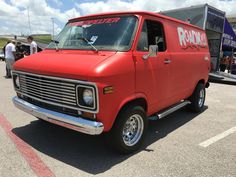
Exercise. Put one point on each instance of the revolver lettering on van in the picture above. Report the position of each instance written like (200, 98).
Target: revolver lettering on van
(191, 38)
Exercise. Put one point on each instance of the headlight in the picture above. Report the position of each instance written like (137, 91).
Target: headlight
(16, 81)
(88, 97)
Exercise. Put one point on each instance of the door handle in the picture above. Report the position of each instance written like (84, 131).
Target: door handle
(167, 61)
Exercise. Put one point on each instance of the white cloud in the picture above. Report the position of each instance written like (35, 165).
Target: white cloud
(14, 14)
(154, 5)
(58, 3)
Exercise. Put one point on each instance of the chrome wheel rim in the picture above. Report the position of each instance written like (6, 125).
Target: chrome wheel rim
(201, 97)
(133, 130)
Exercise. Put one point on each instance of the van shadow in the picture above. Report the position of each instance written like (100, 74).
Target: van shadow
(90, 153)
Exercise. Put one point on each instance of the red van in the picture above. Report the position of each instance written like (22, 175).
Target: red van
(107, 73)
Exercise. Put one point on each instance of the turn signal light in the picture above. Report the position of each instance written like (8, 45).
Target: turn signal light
(108, 89)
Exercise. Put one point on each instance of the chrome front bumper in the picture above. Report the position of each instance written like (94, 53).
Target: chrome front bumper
(74, 123)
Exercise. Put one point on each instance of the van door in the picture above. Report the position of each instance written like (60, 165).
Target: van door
(152, 74)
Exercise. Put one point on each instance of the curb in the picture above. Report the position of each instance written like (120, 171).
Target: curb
(222, 81)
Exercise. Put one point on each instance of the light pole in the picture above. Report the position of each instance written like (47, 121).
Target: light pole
(29, 21)
(52, 28)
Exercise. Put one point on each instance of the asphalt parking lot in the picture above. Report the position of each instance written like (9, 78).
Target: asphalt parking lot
(183, 144)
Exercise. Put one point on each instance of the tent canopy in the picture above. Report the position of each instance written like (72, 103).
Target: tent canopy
(229, 37)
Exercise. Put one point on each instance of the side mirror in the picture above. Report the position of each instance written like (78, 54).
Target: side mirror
(153, 50)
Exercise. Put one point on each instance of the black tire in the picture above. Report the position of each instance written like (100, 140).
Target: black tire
(197, 105)
(115, 136)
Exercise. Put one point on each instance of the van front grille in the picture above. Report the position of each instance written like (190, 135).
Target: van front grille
(48, 89)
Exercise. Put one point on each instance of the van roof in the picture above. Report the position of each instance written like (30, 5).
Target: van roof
(133, 13)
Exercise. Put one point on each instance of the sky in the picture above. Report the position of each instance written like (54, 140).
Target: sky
(14, 13)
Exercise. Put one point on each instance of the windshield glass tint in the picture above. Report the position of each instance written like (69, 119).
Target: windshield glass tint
(114, 33)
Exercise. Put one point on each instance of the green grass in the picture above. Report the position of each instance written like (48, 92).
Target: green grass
(3, 42)
(46, 39)
(43, 39)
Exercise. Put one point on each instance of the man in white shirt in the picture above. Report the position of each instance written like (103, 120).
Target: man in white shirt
(10, 54)
(33, 45)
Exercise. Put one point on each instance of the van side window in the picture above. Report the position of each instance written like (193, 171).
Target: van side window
(152, 34)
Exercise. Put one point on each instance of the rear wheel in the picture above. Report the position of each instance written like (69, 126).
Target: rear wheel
(129, 130)
(198, 98)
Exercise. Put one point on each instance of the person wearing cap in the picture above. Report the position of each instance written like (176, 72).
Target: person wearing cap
(10, 55)
(33, 45)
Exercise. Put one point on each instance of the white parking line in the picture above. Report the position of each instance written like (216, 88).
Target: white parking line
(218, 137)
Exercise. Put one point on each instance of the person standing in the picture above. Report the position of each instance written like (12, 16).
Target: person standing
(4, 49)
(10, 56)
(33, 45)
(230, 63)
(19, 51)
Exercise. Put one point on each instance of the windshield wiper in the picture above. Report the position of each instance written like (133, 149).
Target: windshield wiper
(56, 44)
(88, 42)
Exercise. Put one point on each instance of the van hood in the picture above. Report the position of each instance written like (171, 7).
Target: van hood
(64, 63)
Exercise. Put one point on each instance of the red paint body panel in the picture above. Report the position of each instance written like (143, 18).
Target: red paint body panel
(188, 65)
(160, 84)
(118, 72)
(71, 64)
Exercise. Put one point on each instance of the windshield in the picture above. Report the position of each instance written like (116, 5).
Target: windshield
(113, 33)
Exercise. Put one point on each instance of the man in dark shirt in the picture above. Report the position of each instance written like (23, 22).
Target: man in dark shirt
(19, 51)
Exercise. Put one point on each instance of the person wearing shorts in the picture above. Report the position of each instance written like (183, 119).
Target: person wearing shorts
(10, 55)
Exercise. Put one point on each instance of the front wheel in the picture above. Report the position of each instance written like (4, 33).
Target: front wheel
(129, 130)
(198, 98)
